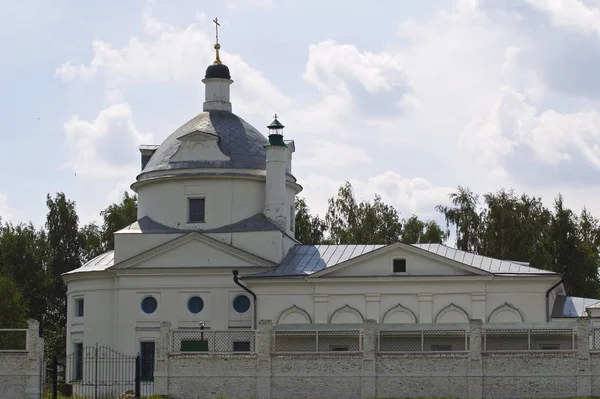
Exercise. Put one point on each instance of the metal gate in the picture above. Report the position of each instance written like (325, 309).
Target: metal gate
(96, 372)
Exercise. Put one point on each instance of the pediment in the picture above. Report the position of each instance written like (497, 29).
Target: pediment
(199, 146)
(379, 263)
(193, 250)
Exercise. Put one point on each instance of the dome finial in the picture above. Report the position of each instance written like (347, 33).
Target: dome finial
(217, 45)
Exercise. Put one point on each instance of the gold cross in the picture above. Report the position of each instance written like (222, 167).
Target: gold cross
(217, 24)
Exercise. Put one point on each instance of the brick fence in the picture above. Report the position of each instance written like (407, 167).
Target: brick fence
(368, 373)
(21, 367)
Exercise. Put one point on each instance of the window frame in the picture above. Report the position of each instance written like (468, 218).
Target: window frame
(189, 209)
(147, 365)
(79, 307)
(394, 265)
(236, 298)
(78, 350)
(142, 305)
(201, 304)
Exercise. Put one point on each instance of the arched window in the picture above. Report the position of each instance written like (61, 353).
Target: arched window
(195, 304)
(149, 305)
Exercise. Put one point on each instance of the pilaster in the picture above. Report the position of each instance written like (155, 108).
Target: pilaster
(161, 368)
(584, 376)
(373, 302)
(425, 308)
(368, 373)
(35, 358)
(478, 305)
(264, 341)
(321, 302)
(475, 378)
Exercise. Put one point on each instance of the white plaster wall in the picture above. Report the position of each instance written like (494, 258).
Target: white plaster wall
(415, 265)
(227, 201)
(425, 299)
(268, 245)
(128, 244)
(113, 314)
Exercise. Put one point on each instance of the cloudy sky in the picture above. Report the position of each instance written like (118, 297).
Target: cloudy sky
(403, 98)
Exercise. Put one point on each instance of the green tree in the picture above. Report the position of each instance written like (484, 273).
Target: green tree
(65, 254)
(22, 257)
(91, 237)
(465, 217)
(568, 253)
(13, 312)
(350, 222)
(416, 231)
(117, 217)
(514, 228)
(308, 229)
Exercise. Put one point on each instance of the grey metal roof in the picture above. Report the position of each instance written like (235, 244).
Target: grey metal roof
(257, 222)
(492, 265)
(99, 263)
(237, 139)
(304, 260)
(571, 306)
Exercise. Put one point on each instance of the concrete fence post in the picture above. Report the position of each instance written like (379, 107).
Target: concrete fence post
(35, 358)
(161, 370)
(584, 376)
(264, 341)
(369, 348)
(475, 379)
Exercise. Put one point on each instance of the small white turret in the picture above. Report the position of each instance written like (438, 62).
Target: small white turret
(277, 158)
(217, 81)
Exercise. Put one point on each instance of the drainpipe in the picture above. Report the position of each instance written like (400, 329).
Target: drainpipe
(548, 298)
(237, 281)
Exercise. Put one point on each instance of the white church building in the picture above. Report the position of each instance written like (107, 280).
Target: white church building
(212, 266)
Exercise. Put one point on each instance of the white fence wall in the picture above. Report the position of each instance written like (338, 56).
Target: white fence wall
(21, 368)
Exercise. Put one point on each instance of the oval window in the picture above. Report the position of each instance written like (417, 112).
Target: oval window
(195, 304)
(149, 305)
(241, 303)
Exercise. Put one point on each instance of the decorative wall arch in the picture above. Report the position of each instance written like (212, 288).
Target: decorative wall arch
(294, 315)
(452, 314)
(399, 314)
(346, 315)
(506, 314)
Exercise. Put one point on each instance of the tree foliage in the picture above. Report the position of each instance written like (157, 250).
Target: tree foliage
(308, 229)
(116, 217)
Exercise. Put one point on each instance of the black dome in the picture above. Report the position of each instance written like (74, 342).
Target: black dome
(218, 71)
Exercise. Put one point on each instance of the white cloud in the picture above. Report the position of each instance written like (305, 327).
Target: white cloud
(244, 4)
(571, 13)
(5, 211)
(105, 147)
(328, 155)
(408, 195)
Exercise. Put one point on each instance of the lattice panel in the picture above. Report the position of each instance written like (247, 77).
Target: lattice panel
(423, 341)
(445, 341)
(597, 339)
(400, 341)
(214, 341)
(529, 340)
(339, 341)
(295, 341)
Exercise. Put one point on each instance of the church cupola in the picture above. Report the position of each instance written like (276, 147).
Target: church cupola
(277, 158)
(217, 81)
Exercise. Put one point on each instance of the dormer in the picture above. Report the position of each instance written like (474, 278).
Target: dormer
(147, 151)
(199, 146)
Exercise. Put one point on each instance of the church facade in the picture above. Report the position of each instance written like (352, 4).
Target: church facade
(213, 252)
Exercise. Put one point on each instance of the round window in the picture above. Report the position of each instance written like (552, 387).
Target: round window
(241, 303)
(149, 305)
(195, 304)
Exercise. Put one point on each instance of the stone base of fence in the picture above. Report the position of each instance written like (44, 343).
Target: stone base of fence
(471, 372)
